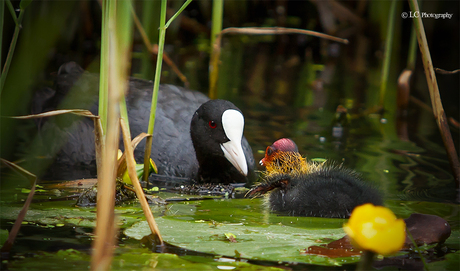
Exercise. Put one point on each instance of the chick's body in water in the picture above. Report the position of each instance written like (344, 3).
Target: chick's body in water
(297, 187)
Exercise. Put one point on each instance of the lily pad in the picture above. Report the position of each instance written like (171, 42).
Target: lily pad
(273, 242)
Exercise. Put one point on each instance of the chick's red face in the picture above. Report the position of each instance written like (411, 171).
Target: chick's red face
(269, 153)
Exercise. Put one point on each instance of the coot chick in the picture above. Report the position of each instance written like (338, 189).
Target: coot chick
(186, 121)
(310, 189)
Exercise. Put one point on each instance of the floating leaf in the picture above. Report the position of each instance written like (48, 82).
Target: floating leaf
(273, 242)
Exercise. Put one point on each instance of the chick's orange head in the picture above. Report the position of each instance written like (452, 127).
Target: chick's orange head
(281, 145)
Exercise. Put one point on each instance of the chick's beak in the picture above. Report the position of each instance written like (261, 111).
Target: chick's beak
(262, 162)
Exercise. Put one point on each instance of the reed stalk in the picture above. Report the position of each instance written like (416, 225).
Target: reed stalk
(387, 55)
(156, 87)
(103, 74)
(366, 261)
(105, 221)
(117, 28)
(177, 13)
(436, 103)
(18, 23)
(131, 166)
(6, 247)
(412, 55)
(411, 238)
(217, 14)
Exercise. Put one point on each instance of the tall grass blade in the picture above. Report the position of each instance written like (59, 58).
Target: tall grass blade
(156, 87)
(104, 78)
(217, 14)
(9, 57)
(118, 30)
(177, 13)
(387, 56)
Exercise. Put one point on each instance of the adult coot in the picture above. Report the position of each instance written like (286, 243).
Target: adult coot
(186, 121)
(297, 187)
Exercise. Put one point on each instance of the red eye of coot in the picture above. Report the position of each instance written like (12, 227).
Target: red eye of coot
(212, 124)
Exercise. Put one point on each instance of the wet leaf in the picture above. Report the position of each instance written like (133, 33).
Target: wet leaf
(273, 242)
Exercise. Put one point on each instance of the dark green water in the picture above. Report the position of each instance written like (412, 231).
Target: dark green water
(271, 79)
(413, 174)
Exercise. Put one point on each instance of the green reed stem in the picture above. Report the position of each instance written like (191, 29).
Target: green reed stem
(178, 13)
(156, 87)
(104, 74)
(417, 248)
(412, 55)
(366, 261)
(388, 47)
(9, 56)
(156, 83)
(217, 14)
(124, 27)
(117, 28)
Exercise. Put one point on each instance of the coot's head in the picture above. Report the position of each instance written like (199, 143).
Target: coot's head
(217, 130)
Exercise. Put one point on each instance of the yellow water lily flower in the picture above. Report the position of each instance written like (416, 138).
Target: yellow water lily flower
(376, 228)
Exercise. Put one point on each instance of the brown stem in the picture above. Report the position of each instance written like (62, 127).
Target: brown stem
(17, 224)
(436, 103)
(131, 164)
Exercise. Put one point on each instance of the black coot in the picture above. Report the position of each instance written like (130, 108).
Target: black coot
(311, 189)
(222, 154)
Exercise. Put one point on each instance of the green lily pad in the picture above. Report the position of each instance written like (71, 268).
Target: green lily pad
(273, 242)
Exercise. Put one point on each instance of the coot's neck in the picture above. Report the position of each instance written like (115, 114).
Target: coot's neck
(218, 169)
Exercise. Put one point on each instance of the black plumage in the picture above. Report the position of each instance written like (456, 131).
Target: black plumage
(328, 192)
(296, 187)
(173, 150)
